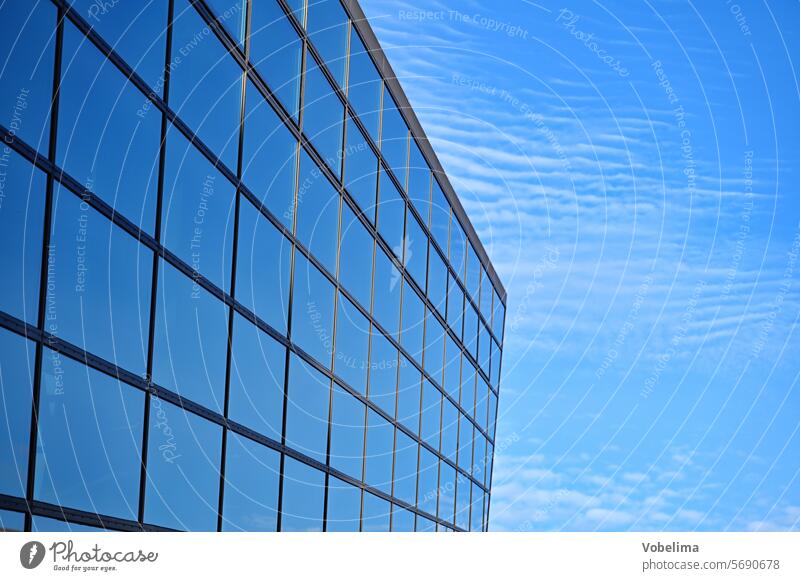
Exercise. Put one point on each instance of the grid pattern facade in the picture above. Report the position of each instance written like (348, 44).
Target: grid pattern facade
(240, 296)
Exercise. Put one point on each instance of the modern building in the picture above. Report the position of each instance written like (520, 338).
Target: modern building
(240, 293)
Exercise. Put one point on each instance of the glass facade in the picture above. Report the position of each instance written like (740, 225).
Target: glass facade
(242, 294)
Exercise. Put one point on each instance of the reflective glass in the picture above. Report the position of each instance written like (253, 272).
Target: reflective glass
(256, 379)
(479, 457)
(303, 497)
(386, 306)
(52, 525)
(408, 395)
(447, 493)
(431, 414)
(471, 330)
(263, 266)
(312, 311)
(136, 31)
(427, 492)
(499, 318)
(484, 347)
(21, 232)
(252, 476)
(276, 52)
(344, 506)
(467, 401)
(440, 216)
(394, 138)
(355, 258)
(434, 347)
(352, 346)
(465, 431)
(347, 434)
(383, 372)
(364, 85)
(415, 255)
(452, 368)
(481, 402)
(107, 139)
(458, 241)
(377, 512)
(449, 430)
(419, 182)
(191, 340)
(425, 525)
(487, 290)
(391, 215)
(16, 379)
(405, 469)
(437, 281)
(12, 522)
(492, 414)
(455, 307)
(231, 14)
(317, 213)
(90, 431)
(328, 30)
(413, 322)
(269, 152)
(198, 211)
(476, 518)
(463, 486)
(496, 359)
(402, 520)
(380, 444)
(205, 88)
(27, 39)
(473, 280)
(99, 282)
(323, 115)
(360, 170)
(298, 8)
(308, 394)
(182, 469)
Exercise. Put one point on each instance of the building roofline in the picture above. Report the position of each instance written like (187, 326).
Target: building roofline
(387, 72)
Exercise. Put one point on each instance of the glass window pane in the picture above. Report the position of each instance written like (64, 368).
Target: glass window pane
(467, 401)
(498, 319)
(312, 311)
(205, 90)
(136, 31)
(298, 8)
(394, 138)
(380, 444)
(484, 347)
(449, 430)
(27, 39)
(231, 15)
(481, 403)
(355, 258)
(344, 507)
(323, 115)
(191, 340)
(496, 359)
(402, 520)
(317, 213)
(257, 374)
(405, 469)
(425, 525)
(440, 216)
(434, 347)
(100, 282)
(455, 307)
(386, 306)
(391, 215)
(487, 290)
(452, 368)
(107, 140)
(276, 51)
(307, 395)
(473, 280)
(303, 497)
(90, 431)
(198, 211)
(465, 431)
(269, 152)
(415, 255)
(471, 330)
(263, 267)
(427, 493)
(361, 170)
(383, 372)
(479, 457)
(458, 241)
(328, 30)
(431, 414)
(376, 514)
(419, 182)
(447, 493)
(182, 469)
(463, 486)
(437, 281)
(52, 525)
(413, 319)
(12, 522)
(352, 346)
(364, 85)
(476, 519)
(408, 395)
(16, 379)
(21, 234)
(252, 475)
(347, 434)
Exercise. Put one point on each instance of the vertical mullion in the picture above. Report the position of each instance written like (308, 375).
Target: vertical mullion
(43, 276)
(162, 155)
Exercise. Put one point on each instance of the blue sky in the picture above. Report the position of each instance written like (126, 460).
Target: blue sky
(632, 170)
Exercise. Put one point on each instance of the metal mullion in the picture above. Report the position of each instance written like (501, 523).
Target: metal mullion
(154, 277)
(43, 274)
